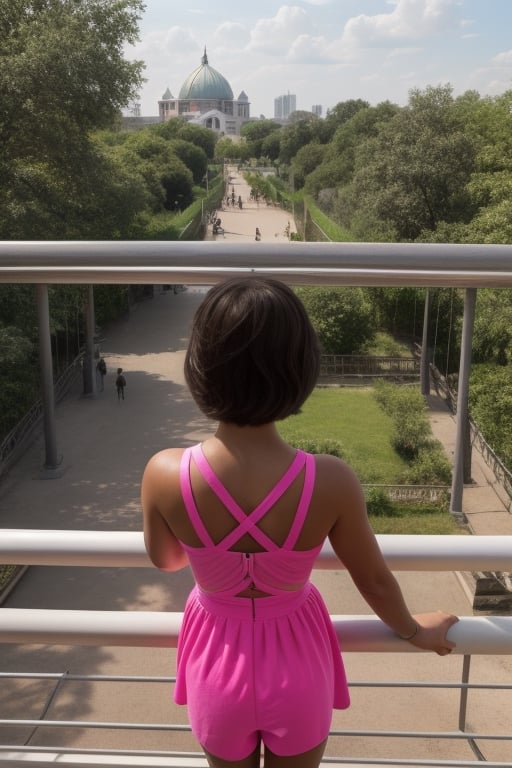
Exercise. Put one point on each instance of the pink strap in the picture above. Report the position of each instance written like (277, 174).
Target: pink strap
(305, 500)
(190, 502)
(248, 523)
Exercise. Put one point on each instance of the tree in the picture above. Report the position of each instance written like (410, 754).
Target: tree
(193, 156)
(413, 174)
(492, 339)
(305, 161)
(337, 167)
(256, 133)
(293, 137)
(340, 114)
(342, 318)
(62, 75)
(490, 403)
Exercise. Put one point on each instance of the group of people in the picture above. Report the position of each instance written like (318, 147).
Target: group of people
(258, 661)
(231, 200)
(120, 381)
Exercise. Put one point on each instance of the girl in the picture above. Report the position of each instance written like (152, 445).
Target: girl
(258, 658)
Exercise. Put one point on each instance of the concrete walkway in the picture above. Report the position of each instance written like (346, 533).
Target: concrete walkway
(105, 445)
(240, 224)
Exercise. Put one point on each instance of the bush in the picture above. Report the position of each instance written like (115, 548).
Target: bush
(431, 467)
(411, 433)
(379, 504)
(412, 436)
(312, 445)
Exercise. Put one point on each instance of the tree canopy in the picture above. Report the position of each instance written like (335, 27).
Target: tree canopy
(63, 73)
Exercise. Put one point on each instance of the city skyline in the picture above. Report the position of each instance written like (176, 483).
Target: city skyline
(327, 51)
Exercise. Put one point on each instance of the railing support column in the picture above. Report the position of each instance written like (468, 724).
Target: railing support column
(424, 364)
(89, 366)
(52, 459)
(462, 459)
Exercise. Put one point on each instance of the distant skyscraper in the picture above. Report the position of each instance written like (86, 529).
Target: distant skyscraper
(284, 106)
(317, 110)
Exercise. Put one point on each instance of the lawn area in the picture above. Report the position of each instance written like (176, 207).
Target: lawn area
(354, 419)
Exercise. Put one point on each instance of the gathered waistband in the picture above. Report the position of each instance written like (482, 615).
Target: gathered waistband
(253, 608)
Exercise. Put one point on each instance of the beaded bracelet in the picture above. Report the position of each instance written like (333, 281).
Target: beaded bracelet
(413, 634)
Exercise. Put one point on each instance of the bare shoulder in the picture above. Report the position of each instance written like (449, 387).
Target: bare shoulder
(167, 460)
(163, 468)
(334, 475)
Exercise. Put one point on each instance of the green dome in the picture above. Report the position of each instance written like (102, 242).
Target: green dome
(206, 83)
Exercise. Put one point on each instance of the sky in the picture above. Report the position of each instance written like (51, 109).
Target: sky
(327, 51)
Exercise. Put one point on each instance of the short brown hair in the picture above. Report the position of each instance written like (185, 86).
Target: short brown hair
(253, 355)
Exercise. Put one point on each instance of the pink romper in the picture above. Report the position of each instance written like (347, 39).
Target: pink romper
(264, 668)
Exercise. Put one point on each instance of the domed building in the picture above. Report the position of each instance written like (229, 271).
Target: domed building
(206, 99)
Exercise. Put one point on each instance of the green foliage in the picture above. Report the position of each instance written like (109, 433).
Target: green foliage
(305, 161)
(352, 417)
(334, 232)
(312, 445)
(411, 436)
(18, 376)
(342, 318)
(430, 466)
(62, 75)
(293, 137)
(412, 175)
(255, 133)
(492, 340)
(378, 503)
(490, 405)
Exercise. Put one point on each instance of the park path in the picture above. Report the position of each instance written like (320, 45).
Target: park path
(240, 224)
(105, 445)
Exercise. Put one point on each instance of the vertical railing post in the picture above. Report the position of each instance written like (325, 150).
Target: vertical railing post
(51, 460)
(425, 364)
(461, 471)
(89, 364)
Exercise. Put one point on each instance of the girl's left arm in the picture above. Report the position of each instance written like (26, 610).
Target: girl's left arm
(158, 486)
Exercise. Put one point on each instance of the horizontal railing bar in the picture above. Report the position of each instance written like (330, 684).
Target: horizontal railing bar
(95, 724)
(426, 264)
(446, 735)
(69, 677)
(68, 757)
(472, 634)
(182, 728)
(125, 549)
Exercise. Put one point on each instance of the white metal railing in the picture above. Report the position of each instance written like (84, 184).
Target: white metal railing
(381, 264)
(396, 264)
(489, 635)
(473, 635)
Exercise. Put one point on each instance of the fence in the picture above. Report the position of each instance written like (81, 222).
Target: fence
(369, 366)
(16, 441)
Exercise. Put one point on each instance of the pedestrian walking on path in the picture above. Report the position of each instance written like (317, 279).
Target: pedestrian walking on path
(120, 384)
(258, 658)
(101, 367)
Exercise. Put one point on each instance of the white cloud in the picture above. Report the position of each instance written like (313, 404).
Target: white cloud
(276, 35)
(409, 20)
(503, 59)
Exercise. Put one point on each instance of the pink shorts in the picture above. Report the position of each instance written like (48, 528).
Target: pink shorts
(273, 678)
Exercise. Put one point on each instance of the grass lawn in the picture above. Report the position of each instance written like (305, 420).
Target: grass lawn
(353, 418)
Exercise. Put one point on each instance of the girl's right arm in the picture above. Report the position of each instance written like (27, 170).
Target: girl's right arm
(356, 546)
(160, 484)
